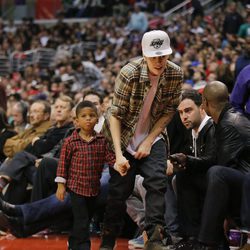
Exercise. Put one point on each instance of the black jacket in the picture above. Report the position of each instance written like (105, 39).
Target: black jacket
(205, 149)
(48, 140)
(232, 134)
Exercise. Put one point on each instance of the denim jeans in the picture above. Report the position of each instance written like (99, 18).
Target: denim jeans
(152, 168)
(171, 215)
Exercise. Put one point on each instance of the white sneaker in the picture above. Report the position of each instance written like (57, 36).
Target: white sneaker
(136, 243)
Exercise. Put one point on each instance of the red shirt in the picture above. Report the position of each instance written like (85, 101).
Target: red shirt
(81, 163)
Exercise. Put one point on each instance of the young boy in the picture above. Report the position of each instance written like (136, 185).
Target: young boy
(80, 167)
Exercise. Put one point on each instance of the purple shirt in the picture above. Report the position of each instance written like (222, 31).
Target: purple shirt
(240, 96)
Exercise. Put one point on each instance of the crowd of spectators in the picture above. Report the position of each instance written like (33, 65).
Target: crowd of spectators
(205, 48)
(89, 54)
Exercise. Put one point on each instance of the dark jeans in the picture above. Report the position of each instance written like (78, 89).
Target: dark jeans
(152, 168)
(245, 203)
(45, 213)
(171, 215)
(44, 180)
(52, 213)
(19, 166)
(83, 209)
(191, 189)
(223, 197)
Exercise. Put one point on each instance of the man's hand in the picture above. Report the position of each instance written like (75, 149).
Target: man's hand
(179, 161)
(143, 150)
(122, 165)
(61, 191)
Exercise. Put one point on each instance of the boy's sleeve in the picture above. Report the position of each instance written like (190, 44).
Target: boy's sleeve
(109, 156)
(64, 160)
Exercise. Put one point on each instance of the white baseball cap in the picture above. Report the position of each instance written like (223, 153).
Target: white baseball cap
(156, 43)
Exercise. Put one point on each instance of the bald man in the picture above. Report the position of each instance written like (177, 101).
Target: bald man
(226, 180)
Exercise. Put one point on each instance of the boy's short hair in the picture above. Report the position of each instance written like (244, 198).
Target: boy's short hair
(85, 104)
(193, 95)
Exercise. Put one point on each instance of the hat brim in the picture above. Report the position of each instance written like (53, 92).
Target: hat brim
(157, 53)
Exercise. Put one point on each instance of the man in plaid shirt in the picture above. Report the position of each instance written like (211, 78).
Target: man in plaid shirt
(82, 158)
(146, 97)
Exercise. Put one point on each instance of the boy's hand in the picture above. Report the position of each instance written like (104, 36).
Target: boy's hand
(122, 166)
(61, 191)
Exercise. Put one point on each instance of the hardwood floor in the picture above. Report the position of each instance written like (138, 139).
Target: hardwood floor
(49, 242)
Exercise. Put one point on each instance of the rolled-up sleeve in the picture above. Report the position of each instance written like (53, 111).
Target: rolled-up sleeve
(122, 94)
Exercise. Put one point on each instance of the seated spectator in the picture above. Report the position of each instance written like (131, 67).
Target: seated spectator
(5, 132)
(39, 114)
(48, 213)
(138, 20)
(240, 96)
(191, 174)
(21, 169)
(244, 59)
(19, 115)
(87, 75)
(244, 30)
(225, 194)
(44, 184)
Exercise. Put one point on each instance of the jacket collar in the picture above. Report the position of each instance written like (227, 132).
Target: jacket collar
(227, 107)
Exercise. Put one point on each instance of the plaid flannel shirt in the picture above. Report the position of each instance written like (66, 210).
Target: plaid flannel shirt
(131, 88)
(81, 163)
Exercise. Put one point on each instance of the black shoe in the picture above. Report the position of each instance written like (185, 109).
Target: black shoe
(8, 208)
(184, 245)
(108, 242)
(13, 225)
(200, 246)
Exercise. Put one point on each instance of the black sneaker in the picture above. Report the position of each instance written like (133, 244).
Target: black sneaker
(108, 242)
(200, 246)
(184, 245)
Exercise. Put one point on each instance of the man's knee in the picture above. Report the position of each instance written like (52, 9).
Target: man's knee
(215, 173)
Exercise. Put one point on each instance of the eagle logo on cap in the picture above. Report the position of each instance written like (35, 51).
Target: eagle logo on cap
(157, 43)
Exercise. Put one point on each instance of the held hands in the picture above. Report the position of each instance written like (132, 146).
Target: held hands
(122, 166)
(179, 161)
(61, 191)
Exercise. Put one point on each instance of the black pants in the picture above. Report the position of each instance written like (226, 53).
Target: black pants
(83, 208)
(44, 180)
(223, 197)
(191, 190)
(152, 168)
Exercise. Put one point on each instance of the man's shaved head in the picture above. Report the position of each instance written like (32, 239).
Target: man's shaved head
(216, 93)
